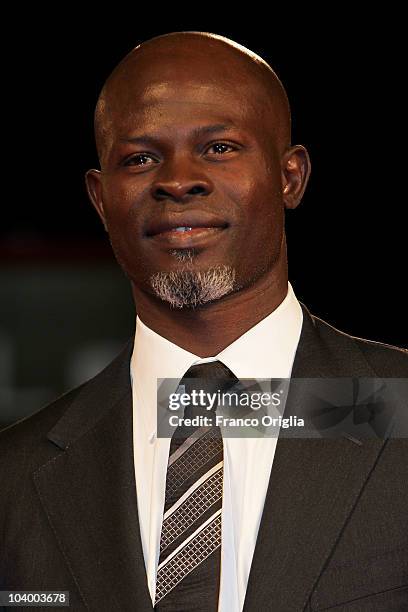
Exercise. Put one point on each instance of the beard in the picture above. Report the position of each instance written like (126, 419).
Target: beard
(188, 287)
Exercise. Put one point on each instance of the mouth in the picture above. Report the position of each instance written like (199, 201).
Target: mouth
(187, 237)
(186, 231)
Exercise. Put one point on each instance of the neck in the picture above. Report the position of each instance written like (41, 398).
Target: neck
(207, 330)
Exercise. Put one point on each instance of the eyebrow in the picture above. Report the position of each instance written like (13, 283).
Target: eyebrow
(196, 133)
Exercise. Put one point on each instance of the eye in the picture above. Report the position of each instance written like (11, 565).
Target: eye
(139, 160)
(220, 145)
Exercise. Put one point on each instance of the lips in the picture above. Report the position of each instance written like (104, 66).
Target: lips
(184, 223)
(196, 237)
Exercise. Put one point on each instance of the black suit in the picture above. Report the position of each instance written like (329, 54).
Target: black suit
(334, 530)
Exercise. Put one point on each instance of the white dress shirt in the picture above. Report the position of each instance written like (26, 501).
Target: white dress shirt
(267, 350)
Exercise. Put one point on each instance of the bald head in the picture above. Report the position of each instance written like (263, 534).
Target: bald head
(199, 57)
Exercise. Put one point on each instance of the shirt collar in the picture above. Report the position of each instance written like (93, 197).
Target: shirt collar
(267, 350)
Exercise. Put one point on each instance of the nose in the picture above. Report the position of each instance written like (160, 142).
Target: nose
(180, 180)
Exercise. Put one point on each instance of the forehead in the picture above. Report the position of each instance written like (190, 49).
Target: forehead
(171, 103)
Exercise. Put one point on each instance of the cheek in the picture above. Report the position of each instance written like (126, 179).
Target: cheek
(261, 204)
(268, 199)
(119, 203)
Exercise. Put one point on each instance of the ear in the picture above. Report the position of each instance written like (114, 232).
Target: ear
(295, 175)
(94, 189)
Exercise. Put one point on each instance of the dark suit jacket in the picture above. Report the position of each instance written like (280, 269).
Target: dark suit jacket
(334, 530)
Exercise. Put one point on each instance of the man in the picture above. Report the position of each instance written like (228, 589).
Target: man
(197, 169)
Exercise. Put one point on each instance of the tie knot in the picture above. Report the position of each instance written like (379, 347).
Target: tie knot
(207, 378)
(210, 369)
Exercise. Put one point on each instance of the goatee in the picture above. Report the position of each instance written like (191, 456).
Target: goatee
(188, 287)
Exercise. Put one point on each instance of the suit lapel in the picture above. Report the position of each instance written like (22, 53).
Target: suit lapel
(314, 486)
(89, 493)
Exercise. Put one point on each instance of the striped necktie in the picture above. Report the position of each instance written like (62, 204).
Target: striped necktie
(188, 574)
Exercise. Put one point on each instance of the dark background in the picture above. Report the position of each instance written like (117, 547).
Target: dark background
(65, 306)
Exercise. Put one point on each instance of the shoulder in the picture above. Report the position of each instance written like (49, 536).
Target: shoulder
(17, 440)
(24, 448)
(386, 360)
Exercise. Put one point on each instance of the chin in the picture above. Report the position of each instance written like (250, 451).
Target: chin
(189, 287)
